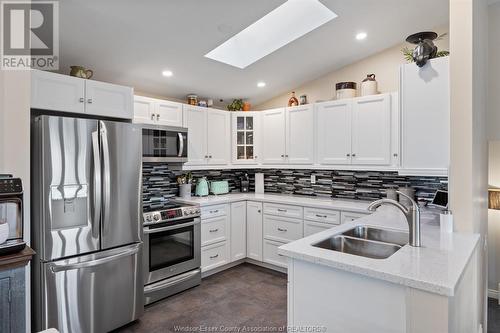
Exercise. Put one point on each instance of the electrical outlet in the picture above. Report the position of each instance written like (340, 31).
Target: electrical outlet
(313, 179)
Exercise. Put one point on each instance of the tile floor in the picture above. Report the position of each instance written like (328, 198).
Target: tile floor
(245, 295)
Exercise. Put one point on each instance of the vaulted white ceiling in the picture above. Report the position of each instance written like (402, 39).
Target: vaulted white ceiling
(131, 42)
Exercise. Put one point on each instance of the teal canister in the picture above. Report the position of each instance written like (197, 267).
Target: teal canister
(202, 187)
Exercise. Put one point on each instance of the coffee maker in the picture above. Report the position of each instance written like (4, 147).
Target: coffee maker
(11, 214)
(245, 183)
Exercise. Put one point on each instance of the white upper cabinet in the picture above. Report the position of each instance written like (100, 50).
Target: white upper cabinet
(195, 121)
(218, 134)
(209, 135)
(56, 92)
(168, 113)
(273, 136)
(157, 112)
(109, 100)
(144, 110)
(245, 137)
(300, 134)
(425, 117)
(333, 132)
(371, 130)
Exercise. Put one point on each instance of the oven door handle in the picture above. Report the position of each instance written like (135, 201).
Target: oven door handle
(148, 230)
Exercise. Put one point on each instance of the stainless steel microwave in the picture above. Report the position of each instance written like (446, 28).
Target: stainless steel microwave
(164, 144)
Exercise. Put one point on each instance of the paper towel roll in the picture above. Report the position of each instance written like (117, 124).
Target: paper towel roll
(259, 183)
(446, 222)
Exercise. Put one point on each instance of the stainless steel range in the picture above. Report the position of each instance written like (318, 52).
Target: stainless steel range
(172, 253)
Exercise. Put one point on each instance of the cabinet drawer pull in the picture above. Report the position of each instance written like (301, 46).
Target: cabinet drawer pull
(214, 211)
(282, 155)
(323, 216)
(209, 156)
(152, 116)
(82, 100)
(215, 256)
(90, 101)
(214, 230)
(281, 229)
(157, 117)
(395, 155)
(259, 211)
(353, 155)
(282, 210)
(348, 155)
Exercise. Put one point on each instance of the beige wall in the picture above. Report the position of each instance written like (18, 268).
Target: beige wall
(494, 145)
(468, 152)
(15, 94)
(385, 65)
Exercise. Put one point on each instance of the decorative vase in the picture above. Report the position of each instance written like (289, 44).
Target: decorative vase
(246, 106)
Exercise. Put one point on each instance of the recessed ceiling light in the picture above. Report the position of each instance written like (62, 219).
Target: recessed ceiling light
(286, 23)
(361, 35)
(261, 84)
(167, 73)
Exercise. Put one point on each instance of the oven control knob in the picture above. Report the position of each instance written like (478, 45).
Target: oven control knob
(156, 217)
(148, 218)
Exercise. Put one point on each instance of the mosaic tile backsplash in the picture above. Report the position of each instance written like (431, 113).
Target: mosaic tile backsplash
(159, 183)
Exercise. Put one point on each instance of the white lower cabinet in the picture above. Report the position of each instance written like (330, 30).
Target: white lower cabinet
(311, 228)
(238, 230)
(271, 255)
(215, 255)
(282, 229)
(350, 216)
(214, 230)
(254, 230)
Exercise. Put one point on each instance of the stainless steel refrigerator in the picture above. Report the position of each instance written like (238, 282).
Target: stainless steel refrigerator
(86, 228)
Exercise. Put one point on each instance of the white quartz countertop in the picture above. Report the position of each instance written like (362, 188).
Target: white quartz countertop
(327, 203)
(435, 267)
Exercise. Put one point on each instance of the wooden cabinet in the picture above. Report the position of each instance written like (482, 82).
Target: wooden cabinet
(238, 230)
(56, 92)
(12, 300)
(333, 132)
(273, 136)
(245, 137)
(300, 134)
(371, 130)
(425, 118)
(254, 230)
(209, 132)
(157, 112)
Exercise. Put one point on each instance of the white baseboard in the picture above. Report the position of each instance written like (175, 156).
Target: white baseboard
(239, 262)
(492, 293)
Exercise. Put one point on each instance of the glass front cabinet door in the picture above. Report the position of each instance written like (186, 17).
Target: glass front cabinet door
(245, 137)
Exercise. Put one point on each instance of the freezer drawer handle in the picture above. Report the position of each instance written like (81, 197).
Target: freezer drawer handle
(58, 268)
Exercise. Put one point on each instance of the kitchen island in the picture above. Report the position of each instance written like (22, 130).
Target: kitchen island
(416, 289)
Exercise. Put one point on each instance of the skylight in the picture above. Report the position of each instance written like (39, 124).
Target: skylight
(291, 20)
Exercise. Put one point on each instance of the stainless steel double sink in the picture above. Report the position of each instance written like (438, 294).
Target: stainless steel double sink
(366, 241)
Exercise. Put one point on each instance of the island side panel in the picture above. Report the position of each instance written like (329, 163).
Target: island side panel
(342, 301)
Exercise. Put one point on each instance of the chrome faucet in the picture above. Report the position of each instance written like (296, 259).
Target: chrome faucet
(412, 215)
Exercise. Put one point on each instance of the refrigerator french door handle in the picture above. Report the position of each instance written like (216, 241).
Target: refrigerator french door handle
(181, 144)
(106, 175)
(62, 267)
(97, 184)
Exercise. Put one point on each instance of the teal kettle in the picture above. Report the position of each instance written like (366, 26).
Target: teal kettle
(202, 187)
